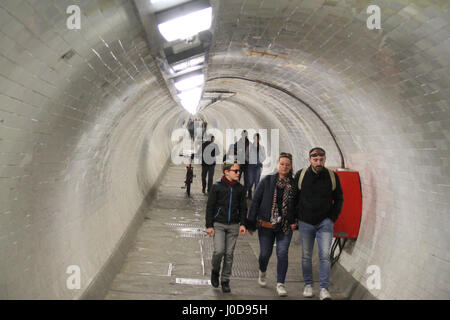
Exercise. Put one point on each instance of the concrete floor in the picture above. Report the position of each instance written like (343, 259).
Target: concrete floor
(171, 247)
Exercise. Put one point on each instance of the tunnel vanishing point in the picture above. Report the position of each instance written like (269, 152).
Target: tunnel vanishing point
(87, 113)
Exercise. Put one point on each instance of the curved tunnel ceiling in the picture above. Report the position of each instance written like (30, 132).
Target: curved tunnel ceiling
(86, 122)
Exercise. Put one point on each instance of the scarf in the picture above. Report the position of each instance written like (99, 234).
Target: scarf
(228, 182)
(275, 214)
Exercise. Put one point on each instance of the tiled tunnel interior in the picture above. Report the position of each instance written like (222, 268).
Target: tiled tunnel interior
(86, 121)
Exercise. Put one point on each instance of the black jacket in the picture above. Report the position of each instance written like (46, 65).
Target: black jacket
(226, 204)
(212, 152)
(261, 208)
(316, 201)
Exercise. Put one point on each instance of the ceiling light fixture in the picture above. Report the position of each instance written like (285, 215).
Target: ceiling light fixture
(188, 64)
(189, 81)
(185, 21)
(190, 99)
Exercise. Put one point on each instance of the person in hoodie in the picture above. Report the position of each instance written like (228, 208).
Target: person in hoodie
(226, 212)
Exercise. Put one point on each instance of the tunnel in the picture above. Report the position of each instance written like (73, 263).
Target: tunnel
(87, 120)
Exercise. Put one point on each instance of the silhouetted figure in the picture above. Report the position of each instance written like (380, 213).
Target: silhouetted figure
(256, 159)
(243, 154)
(209, 151)
(190, 127)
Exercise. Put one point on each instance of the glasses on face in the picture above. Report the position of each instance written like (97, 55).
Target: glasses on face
(236, 170)
(313, 155)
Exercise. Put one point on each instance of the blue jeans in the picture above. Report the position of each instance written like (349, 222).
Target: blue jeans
(266, 240)
(324, 234)
(254, 174)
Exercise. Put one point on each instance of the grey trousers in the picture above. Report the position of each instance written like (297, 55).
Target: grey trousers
(225, 236)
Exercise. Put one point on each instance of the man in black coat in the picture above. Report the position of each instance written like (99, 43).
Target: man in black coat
(242, 147)
(210, 151)
(316, 203)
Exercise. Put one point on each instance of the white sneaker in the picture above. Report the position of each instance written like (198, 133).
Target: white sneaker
(324, 294)
(262, 279)
(281, 290)
(308, 291)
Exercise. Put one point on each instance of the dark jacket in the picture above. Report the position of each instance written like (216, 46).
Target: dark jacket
(210, 152)
(242, 150)
(261, 208)
(316, 201)
(226, 204)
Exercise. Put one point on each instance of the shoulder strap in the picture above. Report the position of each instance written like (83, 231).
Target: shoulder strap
(300, 179)
(333, 179)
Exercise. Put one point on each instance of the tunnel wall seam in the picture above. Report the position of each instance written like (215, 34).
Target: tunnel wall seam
(276, 87)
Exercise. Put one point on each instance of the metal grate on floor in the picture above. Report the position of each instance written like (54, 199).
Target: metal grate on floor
(187, 230)
(245, 263)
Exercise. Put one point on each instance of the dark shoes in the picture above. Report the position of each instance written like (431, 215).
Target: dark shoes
(226, 287)
(215, 282)
(203, 190)
(215, 279)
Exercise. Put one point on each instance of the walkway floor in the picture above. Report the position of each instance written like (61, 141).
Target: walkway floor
(171, 256)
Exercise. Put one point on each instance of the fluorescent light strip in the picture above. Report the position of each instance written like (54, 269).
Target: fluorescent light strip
(187, 64)
(190, 82)
(190, 99)
(186, 26)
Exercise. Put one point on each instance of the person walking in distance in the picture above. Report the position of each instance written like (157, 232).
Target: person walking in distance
(190, 127)
(226, 212)
(210, 151)
(256, 159)
(243, 155)
(317, 201)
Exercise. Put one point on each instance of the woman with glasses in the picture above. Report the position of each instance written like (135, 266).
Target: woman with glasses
(226, 211)
(269, 214)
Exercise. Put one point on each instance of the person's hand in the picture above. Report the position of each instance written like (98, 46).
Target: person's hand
(293, 226)
(242, 230)
(210, 232)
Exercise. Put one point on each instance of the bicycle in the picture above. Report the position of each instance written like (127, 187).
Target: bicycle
(189, 176)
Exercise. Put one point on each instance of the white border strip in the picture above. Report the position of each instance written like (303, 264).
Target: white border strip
(169, 271)
(197, 282)
(201, 255)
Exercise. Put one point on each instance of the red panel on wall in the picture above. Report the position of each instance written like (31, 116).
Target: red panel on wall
(347, 225)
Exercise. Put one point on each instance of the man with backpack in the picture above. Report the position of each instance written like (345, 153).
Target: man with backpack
(317, 201)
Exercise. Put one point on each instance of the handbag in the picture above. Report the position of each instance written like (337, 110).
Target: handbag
(265, 224)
